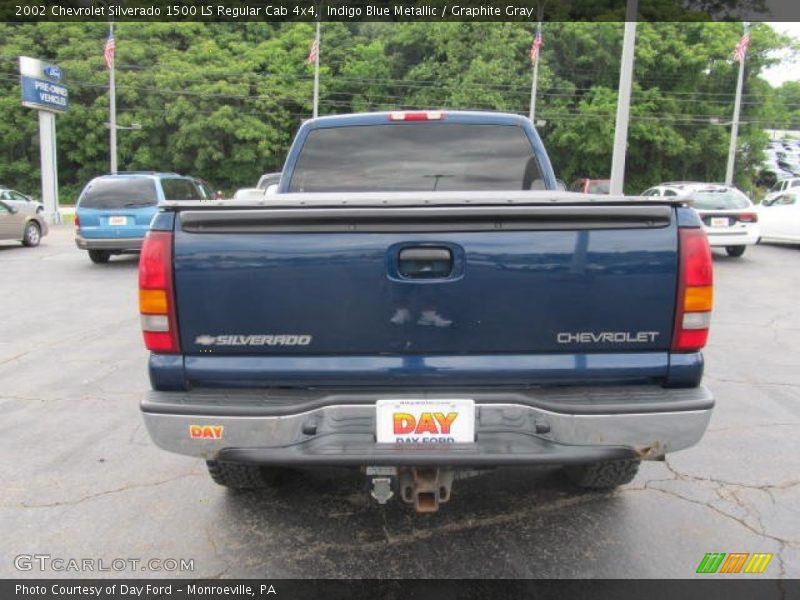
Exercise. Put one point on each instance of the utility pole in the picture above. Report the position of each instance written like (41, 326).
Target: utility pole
(624, 100)
(316, 67)
(741, 52)
(112, 102)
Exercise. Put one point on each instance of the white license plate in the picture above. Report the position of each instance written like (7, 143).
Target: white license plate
(719, 221)
(425, 421)
(117, 220)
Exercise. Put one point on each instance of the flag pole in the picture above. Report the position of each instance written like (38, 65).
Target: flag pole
(617, 184)
(737, 105)
(112, 105)
(316, 73)
(535, 81)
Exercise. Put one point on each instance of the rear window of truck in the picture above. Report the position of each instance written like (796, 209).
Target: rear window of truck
(416, 158)
(128, 192)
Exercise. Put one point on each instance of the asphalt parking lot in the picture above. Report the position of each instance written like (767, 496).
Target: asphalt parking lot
(81, 479)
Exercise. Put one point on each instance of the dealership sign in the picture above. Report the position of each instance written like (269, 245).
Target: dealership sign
(42, 86)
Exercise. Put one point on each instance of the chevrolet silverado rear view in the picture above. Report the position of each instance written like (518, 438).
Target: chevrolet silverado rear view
(417, 301)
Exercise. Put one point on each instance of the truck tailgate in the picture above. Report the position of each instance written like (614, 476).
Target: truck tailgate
(552, 283)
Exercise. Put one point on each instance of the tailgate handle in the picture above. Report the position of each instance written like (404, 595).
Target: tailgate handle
(425, 263)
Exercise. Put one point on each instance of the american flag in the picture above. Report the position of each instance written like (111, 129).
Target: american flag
(313, 53)
(537, 43)
(741, 48)
(108, 52)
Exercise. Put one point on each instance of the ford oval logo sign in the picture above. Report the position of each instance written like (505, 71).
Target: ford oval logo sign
(53, 72)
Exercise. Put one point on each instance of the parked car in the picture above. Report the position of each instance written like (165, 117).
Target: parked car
(18, 199)
(113, 212)
(408, 305)
(729, 217)
(22, 221)
(780, 187)
(590, 186)
(779, 219)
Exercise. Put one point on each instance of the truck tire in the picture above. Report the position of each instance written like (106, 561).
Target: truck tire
(238, 476)
(603, 475)
(99, 257)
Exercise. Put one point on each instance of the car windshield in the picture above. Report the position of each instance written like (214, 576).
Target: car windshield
(123, 192)
(722, 199)
(416, 157)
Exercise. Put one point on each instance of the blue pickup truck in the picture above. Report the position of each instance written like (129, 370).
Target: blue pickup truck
(419, 300)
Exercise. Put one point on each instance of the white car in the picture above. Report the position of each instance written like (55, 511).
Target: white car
(782, 186)
(729, 217)
(779, 218)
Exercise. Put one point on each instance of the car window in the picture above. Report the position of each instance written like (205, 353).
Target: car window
(205, 191)
(786, 200)
(180, 189)
(719, 199)
(5, 195)
(577, 186)
(670, 193)
(795, 183)
(17, 196)
(119, 192)
(416, 157)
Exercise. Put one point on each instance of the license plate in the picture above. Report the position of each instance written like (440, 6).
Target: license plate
(719, 221)
(416, 422)
(117, 220)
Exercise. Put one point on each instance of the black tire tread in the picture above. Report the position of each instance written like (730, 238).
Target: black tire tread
(99, 257)
(603, 475)
(735, 251)
(239, 476)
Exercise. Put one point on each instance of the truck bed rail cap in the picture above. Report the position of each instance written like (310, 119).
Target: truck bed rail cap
(395, 199)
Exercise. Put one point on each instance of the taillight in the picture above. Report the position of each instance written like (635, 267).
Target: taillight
(747, 217)
(156, 294)
(77, 221)
(695, 291)
(427, 115)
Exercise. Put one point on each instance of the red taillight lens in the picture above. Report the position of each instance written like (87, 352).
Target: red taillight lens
(156, 294)
(77, 221)
(695, 291)
(748, 218)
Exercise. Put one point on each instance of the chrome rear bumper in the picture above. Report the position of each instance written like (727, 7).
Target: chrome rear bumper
(578, 425)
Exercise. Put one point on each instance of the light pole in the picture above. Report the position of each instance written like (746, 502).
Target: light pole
(737, 105)
(624, 100)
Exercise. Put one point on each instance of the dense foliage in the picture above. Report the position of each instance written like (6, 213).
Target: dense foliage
(223, 100)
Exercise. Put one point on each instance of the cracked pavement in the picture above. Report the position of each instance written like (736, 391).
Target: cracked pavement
(81, 478)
